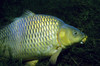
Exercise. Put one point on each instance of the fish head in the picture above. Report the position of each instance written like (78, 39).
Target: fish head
(69, 35)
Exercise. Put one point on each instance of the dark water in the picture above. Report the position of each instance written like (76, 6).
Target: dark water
(83, 14)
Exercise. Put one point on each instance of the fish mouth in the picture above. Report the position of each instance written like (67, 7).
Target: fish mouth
(84, 40)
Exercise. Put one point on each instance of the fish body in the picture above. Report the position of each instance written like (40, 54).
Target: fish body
(36, 36)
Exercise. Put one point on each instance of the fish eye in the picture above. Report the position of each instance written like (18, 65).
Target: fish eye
(75, 33)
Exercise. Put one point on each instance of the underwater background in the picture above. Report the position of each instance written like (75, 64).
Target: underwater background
(82, 14)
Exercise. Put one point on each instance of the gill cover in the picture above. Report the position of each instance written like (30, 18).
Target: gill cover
(63, 37)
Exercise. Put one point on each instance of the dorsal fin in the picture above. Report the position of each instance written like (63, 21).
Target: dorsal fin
(28, 13)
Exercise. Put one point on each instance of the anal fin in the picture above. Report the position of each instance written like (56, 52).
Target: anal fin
(31, 63)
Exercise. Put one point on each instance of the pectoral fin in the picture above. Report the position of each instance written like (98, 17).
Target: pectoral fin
(54, 57)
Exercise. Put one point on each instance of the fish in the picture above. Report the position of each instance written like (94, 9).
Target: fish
(37, 36)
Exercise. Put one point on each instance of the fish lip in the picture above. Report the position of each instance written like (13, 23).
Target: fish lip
(84, 39)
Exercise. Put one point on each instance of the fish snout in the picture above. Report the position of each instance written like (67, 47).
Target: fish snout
(84, 39)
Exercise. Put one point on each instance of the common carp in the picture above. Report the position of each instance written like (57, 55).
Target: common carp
(36, 36)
